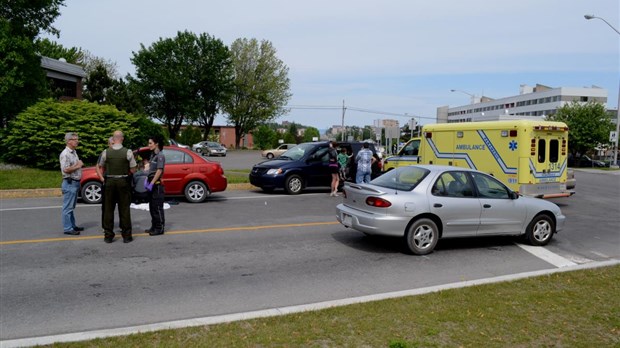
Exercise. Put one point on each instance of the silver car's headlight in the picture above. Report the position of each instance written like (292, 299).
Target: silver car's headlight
(274, 171)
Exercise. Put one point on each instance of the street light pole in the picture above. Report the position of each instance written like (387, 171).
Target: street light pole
(473, 96)
(615, 160)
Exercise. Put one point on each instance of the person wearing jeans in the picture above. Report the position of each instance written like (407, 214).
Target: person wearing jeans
(364, 161)
(71, 169)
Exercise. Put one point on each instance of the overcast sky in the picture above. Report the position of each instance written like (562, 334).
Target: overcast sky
(399, 56)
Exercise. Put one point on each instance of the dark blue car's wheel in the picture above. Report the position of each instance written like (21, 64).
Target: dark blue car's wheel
(294, 184)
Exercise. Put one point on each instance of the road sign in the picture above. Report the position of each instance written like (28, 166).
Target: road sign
(613, 136)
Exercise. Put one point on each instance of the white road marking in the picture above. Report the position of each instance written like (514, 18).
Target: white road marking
(214, 199)
(547, 256)
(219, 319)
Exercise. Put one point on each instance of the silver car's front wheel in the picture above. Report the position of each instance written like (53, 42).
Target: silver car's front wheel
(540, 230)
(422, 236)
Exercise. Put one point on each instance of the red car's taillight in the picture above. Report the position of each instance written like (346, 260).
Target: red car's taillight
(378, 202)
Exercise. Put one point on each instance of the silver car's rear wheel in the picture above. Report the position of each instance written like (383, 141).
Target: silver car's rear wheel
(196, 192)
(422, 236)
(540, 230)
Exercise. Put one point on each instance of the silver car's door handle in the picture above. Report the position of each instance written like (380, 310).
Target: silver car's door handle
(437, 205)
(486, 205)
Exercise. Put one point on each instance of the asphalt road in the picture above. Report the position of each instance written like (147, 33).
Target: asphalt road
(247, 250)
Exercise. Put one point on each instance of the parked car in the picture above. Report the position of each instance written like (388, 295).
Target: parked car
(585, 162)
(275, 153)
(210, 148)
(176, 144)
(185, 174)
(305, 165)
(425, 203)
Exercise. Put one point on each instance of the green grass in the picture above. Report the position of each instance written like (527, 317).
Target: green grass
(573, 309)
(29, 178)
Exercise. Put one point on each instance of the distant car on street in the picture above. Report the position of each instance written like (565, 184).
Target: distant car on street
(210, 148)
(425, 203)
(275, 153)
(186, 174)
(585, 162)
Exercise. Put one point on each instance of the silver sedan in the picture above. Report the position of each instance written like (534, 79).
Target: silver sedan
(424, 203)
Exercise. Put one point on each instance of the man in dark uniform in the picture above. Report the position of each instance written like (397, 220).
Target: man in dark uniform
(155, 186)
(117, 162)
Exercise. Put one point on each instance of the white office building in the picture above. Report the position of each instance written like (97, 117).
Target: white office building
(532, 102)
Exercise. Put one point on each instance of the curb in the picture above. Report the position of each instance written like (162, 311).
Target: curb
(56, 192)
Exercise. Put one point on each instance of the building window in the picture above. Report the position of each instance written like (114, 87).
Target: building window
(584, 99)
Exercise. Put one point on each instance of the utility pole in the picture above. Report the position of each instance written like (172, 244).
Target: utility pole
(344, 130)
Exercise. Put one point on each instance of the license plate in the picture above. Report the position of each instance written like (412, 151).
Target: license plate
(347, 220)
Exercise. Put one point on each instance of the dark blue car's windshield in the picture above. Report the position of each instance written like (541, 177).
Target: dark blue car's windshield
(403, 178)
(298, 151)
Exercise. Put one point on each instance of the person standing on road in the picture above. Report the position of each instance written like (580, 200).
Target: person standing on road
(101, 176)
(155, 187)
(117, 162)
(364, 161)
(71, 169)
(333, 167)
(343, 160)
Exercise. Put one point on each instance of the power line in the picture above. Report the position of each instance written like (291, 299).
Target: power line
(353, 108)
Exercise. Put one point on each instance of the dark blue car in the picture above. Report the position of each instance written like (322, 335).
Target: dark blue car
(305, 165)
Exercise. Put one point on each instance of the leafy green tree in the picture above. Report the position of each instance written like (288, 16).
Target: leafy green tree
(125, 96)
(22, 80)
(588, 125)
(264, 137)
(97, 84)
(310, 133)
(191, 135)
(164, 79)
(48, 48)
(37, 134)
(289, 138)
(213, 79)
(261, 86)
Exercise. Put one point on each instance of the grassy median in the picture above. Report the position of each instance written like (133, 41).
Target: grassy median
(572, 309)
(21, 178)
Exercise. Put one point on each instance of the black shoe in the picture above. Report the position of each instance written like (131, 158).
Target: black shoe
(78, 228)
(127, 239)
(72, 233)
(108, 239)
(156, 233)
(149, 231)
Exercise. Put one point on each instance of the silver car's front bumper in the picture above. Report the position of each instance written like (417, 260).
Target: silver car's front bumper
(385, 225)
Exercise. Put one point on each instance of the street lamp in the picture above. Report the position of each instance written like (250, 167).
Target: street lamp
(615, 160)
(473, 96)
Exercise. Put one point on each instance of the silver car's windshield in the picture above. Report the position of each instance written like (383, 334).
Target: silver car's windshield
(298, 151)
(403, 178)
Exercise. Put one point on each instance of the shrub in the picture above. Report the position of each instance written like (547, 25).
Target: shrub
(36, 136)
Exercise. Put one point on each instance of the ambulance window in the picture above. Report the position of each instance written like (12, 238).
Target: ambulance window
(554, 150)
(542, 150)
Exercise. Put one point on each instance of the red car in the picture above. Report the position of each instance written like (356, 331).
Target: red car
(186, 174)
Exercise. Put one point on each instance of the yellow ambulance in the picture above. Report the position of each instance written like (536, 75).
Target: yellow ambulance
(529, 156)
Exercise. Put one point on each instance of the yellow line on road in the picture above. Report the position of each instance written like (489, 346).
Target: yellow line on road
(207, 230)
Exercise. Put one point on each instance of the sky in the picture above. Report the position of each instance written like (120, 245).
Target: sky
(392, 59)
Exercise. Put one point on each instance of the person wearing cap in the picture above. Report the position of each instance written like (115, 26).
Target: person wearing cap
(71, 169)
(364, 161)
(116, 162)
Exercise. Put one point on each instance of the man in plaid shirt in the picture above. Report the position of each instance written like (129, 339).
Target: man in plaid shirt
(364, 161)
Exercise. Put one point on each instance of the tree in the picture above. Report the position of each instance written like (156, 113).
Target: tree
(214, 78)
(125, 96)
(310, 133)
(48, 48)
(191, 135)
(264, 137)
(588, 125)
(261, 86)
(97, 84)
(187, 77)
(22, 80)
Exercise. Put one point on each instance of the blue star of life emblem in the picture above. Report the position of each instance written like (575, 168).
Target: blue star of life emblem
(512, 145)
